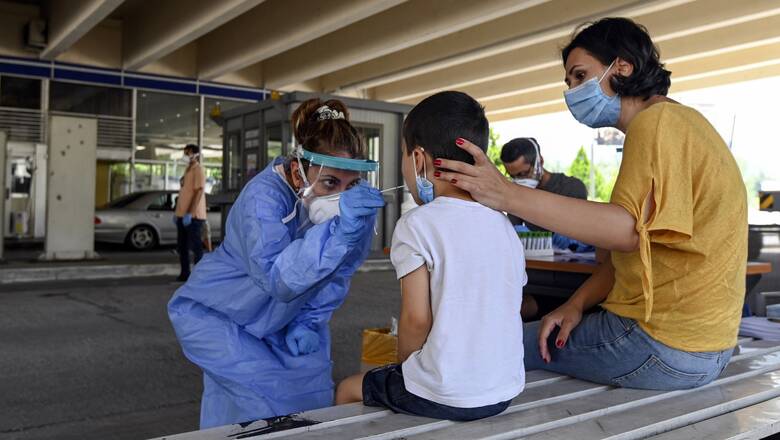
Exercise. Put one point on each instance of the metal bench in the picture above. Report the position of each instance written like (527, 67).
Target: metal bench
(743, 403)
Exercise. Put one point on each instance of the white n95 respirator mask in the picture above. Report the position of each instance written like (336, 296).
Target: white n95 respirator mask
(537, 172)
(322, 209)
(530, 183)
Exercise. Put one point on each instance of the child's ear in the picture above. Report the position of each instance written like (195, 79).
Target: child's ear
(419, 159)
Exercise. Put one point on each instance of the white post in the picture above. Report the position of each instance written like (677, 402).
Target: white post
(70, 213)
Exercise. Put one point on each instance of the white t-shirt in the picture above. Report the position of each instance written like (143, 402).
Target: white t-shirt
(473, 356)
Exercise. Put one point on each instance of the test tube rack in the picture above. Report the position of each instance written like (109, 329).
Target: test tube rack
(537, 244)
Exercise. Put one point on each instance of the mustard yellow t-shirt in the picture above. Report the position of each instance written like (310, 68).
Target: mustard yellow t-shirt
(686, 283)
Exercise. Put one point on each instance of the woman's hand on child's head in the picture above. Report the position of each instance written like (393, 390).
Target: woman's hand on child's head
(567, 317)
(482, 180)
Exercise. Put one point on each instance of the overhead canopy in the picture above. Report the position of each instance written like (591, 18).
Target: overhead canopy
(505, 53)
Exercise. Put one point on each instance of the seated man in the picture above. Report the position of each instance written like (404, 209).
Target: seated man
(523, 161)
(525, 164)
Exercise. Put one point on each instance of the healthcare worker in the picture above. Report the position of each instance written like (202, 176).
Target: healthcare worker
(254, 314)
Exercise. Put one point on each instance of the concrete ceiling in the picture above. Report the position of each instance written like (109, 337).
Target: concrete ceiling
(505, 53)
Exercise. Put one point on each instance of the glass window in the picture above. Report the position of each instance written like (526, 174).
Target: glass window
(252, 167)
(213, 120)
(21, 176)
(372, 139)
(149, 177)
(20, 92)
(125, 200)
(119, 180)
(273, 141)
(234, 162)
(91, 100)
(213, 178)
(165, 123)
(161, 202)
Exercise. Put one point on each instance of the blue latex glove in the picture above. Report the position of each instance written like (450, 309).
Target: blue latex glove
(301, 340)
(357, 208)
(187, 219)
(521, 228)
(563, 242)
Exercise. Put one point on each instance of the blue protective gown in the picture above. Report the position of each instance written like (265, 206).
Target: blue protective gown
(232, 316)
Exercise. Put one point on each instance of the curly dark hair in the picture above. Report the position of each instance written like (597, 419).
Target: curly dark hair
(324, 136)
(611, 38)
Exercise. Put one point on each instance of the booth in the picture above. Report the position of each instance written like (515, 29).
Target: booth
(255, 134)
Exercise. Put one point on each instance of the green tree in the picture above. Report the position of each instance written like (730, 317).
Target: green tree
(494, 151)
(580, 169)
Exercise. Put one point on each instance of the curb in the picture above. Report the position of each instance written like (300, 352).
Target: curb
(117, 271)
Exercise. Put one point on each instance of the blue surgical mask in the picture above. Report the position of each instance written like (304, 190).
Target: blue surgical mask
(424, 186)
(591, 106)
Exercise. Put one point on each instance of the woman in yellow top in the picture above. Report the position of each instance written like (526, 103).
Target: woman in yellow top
(672, 287)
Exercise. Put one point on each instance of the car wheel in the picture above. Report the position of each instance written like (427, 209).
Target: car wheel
(142, 238)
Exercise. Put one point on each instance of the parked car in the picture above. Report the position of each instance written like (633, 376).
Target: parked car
(142, 220)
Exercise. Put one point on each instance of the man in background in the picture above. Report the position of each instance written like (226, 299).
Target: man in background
(525, 165)
(190, 213)
(523, 161)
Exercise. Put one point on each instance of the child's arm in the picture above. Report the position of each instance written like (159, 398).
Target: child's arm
(416, 317)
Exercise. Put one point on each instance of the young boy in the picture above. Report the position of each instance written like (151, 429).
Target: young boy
(462, 268)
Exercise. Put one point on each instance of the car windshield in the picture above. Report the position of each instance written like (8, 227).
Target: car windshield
(125, 200)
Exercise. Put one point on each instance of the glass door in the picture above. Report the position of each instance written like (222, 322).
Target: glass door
(20, 202)
(233, 159)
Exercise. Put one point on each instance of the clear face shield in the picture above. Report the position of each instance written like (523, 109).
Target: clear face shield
(333, 172)
(320, 195)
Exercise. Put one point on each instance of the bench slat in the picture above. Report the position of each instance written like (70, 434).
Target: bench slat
(644, 421)
(543, 405)
(512, 425)
(754, 422)
(532, 398)
(351, 413)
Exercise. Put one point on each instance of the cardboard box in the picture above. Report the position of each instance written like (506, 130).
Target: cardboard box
(379, 348)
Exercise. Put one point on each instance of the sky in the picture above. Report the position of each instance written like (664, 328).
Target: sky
(745, 114)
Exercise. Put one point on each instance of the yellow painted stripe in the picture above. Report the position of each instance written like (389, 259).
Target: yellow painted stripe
(767, 201)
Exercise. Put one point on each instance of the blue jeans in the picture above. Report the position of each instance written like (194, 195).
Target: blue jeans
(606, 348)
(188, 238)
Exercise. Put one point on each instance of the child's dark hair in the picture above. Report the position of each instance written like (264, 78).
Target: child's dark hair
(318, 126)
(610, 38)
(438, 120)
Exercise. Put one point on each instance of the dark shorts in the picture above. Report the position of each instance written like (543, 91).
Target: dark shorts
(384, 386)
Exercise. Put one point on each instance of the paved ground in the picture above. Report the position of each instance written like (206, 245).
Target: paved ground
(99, 359)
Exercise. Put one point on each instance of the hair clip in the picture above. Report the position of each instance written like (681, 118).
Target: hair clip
(326, 112)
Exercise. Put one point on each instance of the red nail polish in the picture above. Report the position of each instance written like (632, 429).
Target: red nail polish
(559, 343)
(437, 174)
(454, 181)
(459, 141)
(437, 162)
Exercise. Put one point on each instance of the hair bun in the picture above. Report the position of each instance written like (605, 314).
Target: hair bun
(324, 126)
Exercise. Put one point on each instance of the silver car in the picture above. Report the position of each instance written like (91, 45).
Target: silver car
(142, 220)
